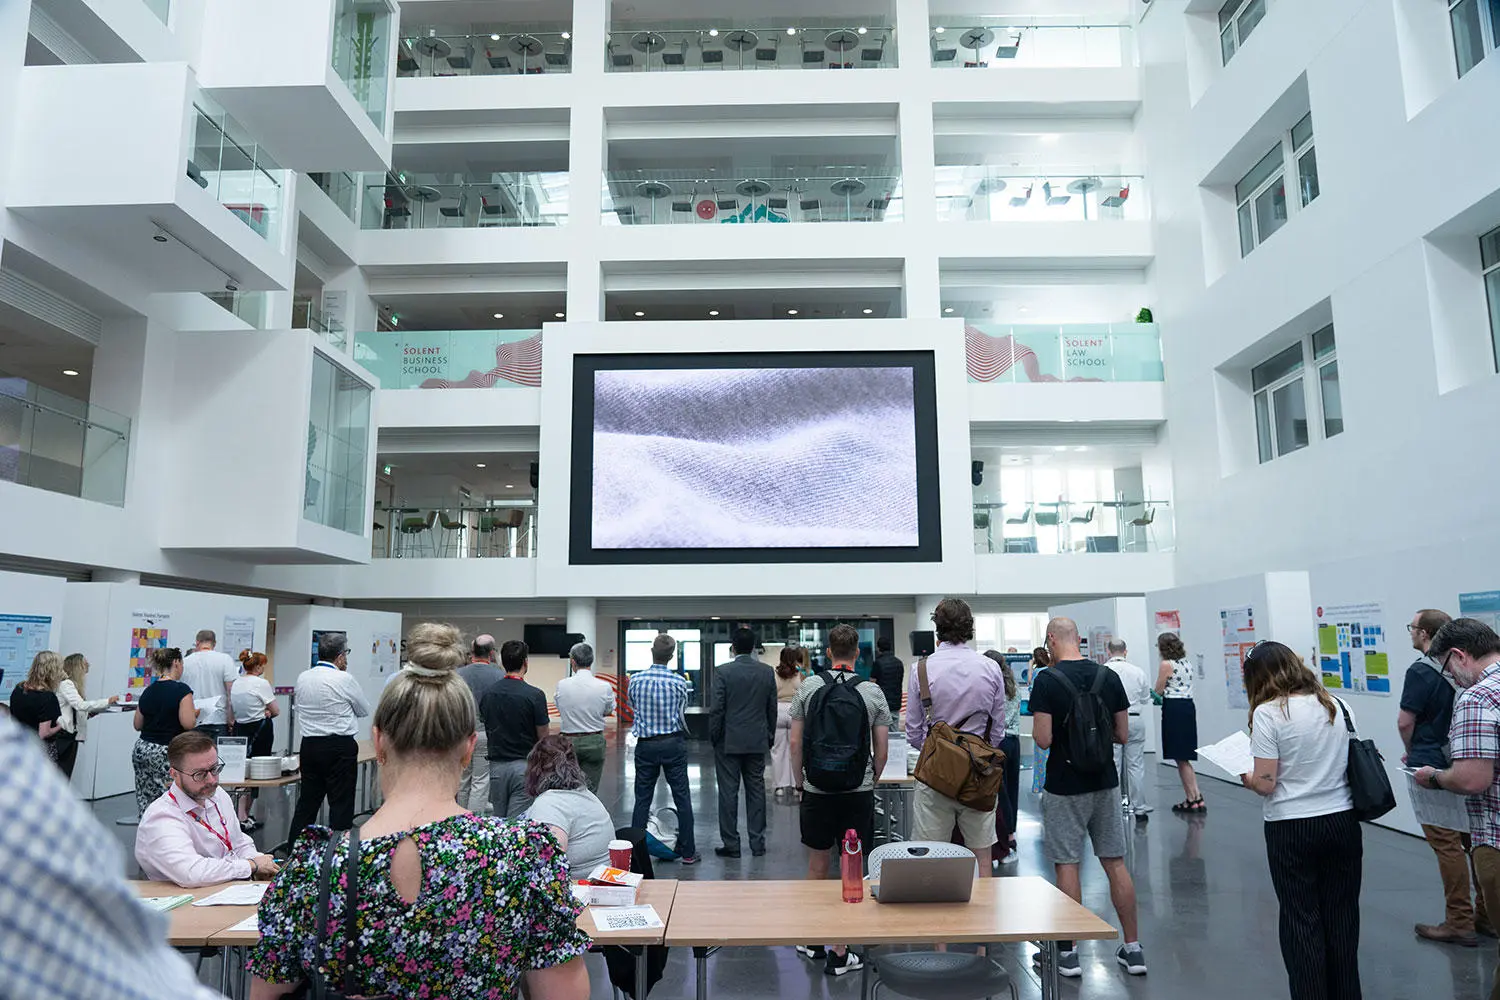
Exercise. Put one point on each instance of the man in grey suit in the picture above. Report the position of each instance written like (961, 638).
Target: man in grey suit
(741, 726)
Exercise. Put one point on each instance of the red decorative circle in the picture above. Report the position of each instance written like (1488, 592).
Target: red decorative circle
(706, 209)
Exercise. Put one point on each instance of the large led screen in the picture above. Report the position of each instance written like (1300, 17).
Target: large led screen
(786, 457)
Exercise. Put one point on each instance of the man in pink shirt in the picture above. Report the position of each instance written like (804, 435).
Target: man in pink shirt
(191, 835)
(968, 693)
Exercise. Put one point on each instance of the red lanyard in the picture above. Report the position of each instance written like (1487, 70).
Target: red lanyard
(222, 838)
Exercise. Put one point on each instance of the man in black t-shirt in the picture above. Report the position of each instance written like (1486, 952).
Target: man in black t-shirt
(1076, 803)
(1426, 711)
(514, 714)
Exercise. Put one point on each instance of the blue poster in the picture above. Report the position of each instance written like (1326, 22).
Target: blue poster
(21, 638)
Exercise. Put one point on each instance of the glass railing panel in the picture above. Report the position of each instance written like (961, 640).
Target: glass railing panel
(338, 444)
(1085, 525)
(976, 194)
(471, 529)
(759, 46)
(342, 188)
(248, 306)
(71, 448)
(640, 198)
(1095, 352)
(434, 51)
(452, 359)
(361, 45)
(161, 8)
(233, 168)
(1001, 43)
(506, 200)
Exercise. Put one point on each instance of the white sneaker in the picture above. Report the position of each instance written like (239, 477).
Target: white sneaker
(1010, 858)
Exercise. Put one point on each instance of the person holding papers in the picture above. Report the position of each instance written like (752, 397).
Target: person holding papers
(1313, 842)
(191, 835)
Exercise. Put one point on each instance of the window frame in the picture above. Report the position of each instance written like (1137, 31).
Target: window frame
(1308, 371)
(1489, 276)
(1229, 25)
(1292, 154)
(1488, 24)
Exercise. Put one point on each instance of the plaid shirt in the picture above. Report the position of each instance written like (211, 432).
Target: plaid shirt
(70, 926)
(1476, 734)
(657, 699)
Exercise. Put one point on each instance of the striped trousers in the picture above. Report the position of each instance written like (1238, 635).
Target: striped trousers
(1316, 866)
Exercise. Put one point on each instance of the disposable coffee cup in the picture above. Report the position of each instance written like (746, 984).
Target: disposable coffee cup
(619, 854)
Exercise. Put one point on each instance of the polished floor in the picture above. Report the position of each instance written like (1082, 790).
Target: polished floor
(1207, 912)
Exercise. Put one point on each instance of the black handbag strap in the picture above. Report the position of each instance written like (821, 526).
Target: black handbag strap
(351, 911)
(325, 891)
(1348, 722)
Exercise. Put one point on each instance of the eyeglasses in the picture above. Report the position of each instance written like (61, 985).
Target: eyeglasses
(1412, 628)
(203, 774)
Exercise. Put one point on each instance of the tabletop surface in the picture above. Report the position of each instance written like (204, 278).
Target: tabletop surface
(705, 914)
(191, 926)
(657, 892)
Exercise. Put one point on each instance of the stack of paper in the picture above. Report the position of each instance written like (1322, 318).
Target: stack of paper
(250, 923)
(244, 894)
(161, 904)
(626, 918)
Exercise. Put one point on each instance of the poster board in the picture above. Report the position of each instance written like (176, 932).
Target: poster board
(1237, 628)
(238, 635)
(1100, 637)
(1483, 605)
(21, 638)
(1167, 621)
(1352, 652)
(385, 653)
(148, 631)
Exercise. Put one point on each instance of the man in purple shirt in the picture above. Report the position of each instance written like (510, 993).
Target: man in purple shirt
(968, 693)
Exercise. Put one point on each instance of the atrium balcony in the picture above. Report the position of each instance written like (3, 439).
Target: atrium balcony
(323, 101)
(135, 162)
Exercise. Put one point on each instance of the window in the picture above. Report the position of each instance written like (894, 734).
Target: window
(1260, 196)
(1489, 259)
(1473, 21)
(338, 434)
(1237, 19)
(1281, 419)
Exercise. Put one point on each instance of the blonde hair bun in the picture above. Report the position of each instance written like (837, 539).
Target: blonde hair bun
(437, 648)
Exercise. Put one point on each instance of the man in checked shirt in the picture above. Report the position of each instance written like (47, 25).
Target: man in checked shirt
(1470, 651)
(72, 929)
(657, 699)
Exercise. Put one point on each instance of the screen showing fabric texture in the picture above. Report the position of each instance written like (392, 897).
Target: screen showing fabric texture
(768, 452)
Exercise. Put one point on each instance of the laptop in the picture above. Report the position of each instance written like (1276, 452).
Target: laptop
(925, 880)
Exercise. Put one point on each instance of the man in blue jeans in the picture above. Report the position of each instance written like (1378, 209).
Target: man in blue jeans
(657, 700)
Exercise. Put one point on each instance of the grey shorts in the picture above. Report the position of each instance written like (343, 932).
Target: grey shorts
(1067, 818)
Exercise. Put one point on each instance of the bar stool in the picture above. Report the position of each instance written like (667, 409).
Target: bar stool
(499, 525)
(453, 532)
(414, 531)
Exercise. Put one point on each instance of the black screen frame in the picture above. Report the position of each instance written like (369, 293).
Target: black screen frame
(923, 365)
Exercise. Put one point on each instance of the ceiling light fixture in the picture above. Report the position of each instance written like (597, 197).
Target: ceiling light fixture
(559, 315)
(478, 465)
(509, 486)
(160, 235)
(499, 315)
(713, 312)
(867, 311)
(499, 619)
(567, 35)
(791, 31)
(69, 372)
(791, 312)
(939, 30)
(639, 314)
(796, 617)
(863, 30)
(713, 32)
(494, 38)
(947, 309)
(1024, 309)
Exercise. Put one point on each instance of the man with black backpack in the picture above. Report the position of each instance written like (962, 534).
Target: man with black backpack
(1080, 711)
(839, 738)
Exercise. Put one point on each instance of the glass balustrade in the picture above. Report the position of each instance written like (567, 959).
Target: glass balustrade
(233, 168)
(640, 198)
(53, 442)
(161, 8)
(760, 45)
(473, 50)
(307, 314)
(1030, 42)
(977, 194)
(361, 47)
(1056, 526)
(471, 529)
(248, 306)
(1081, 352)
(342, 188)
(505, 200)
(452, 359)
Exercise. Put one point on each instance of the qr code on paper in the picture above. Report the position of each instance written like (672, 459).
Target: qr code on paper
(627, 921)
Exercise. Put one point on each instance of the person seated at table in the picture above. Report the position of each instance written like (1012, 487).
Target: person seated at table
(450, 904)
(561, 799)
(191, 835)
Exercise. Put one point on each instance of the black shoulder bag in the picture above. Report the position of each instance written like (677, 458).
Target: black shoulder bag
(317, 987)
(1369, 785)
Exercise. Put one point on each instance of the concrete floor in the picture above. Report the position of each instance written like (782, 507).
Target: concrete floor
(1207, 911)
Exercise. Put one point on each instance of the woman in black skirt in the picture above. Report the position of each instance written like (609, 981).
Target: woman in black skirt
(1179, 719)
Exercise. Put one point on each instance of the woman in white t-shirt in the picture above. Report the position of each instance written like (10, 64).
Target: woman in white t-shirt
(1300, 743)
(253, 703)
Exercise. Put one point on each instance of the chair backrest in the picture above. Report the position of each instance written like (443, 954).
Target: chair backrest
(917, 849)
(981, 520)
(449, 523)
(1145, 518)
(515, 518)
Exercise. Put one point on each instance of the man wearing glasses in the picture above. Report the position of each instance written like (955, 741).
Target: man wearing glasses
(191, 835)
(1426, 713)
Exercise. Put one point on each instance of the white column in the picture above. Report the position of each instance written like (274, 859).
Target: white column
(586, 159)
(583, 619)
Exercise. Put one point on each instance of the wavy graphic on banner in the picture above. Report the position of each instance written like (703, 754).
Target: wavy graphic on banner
(518, 362)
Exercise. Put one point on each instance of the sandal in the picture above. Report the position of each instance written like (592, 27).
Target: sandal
(1190, 806)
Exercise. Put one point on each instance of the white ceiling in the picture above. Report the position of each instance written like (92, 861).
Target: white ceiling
(418, 477)
(475, 310)
(810, 303)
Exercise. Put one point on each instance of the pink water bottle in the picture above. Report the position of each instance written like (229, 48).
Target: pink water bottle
(852, 868)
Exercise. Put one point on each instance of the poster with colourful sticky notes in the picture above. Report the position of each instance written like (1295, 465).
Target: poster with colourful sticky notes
(148, 631)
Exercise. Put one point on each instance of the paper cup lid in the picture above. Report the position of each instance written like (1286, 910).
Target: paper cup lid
(620, 845)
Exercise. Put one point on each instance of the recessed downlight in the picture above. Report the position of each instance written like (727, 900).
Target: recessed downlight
(863, 30)
(494, 38)
(791, 312)
(478, 465)
(713, 312)
(867, 311)
(939, 30)
(639, 313)
(559, 315)
(713, 32)
(791, 31)
(567, 35)
(499, 315)
(947, 309)
(509, 486)
(69, 372)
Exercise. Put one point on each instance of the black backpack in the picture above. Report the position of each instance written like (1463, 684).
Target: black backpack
(836, 735)
(1090, 725)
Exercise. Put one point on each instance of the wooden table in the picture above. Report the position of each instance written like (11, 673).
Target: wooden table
(659, 893)
(708, 915)
(191, 926)
(367, 780)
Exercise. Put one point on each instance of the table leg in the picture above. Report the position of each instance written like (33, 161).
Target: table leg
(224, 971)
(700, 956)
(1049, 970)
(641, 982)
(864, 972)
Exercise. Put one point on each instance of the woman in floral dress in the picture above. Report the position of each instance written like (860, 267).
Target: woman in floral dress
(450, 904)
